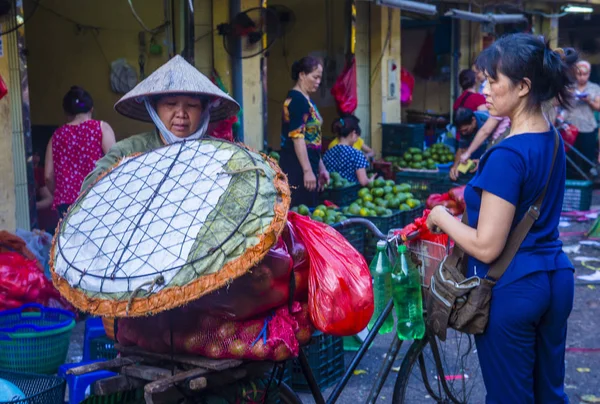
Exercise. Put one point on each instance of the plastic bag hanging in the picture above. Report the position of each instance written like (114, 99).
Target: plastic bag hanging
(344, 90)
(407, 84)
(340, 289)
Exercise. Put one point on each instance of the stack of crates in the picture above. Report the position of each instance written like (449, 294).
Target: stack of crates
(399, 137)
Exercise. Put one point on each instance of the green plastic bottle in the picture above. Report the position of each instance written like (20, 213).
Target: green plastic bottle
(406, 291)
(381, 271)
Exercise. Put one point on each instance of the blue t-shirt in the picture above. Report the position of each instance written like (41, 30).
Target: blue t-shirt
(345, 160)
(516, 170)
(465, 141)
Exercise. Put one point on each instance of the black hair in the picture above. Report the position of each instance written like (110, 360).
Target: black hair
(520, 56)
(77, 101)
(306, 65)
(463, 116)
(466, 79)
(345, 125)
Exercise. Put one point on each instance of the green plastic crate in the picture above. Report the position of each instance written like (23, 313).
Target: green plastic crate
(342, 196)
(578, 195)
(398, 137)
(409, 216)
(325, 355)
(38, 389)
(355, 234)
(102, 348)
(384, 224)
(127, 397)
(424, 184)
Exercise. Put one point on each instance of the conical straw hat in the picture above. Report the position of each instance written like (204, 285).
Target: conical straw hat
(175, 76)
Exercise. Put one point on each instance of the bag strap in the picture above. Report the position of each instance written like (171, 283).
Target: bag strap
(462, 102)
(516, 237)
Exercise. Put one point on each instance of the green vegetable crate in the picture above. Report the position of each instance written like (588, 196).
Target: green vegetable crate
(398, 220)
(36, 388)
(355, 234)
(127, 397)
(578, 195)
(424, 184)
(384, 224)
(340, 196)
(399, 137)
(325, 355)
(102, 348)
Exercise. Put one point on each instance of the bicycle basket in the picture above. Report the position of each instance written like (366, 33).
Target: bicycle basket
(162, 229)
(428, 257)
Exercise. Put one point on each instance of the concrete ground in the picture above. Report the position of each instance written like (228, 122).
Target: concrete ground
(582, 359)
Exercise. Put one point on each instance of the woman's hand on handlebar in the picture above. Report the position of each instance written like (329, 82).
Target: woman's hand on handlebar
(433, 216)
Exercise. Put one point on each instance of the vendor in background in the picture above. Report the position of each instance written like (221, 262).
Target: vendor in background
(470, 125)
(74, 148)
(469, 98)
(358, 145)
(581, 114)
(480, 79)
(301, 135)
(344, 158)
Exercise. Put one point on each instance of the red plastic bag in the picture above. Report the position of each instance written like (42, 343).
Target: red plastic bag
(420, 226)
(275, 336)
(340, 289)
(458, 195)
(569, 134)
(344, 90)
(297, 250)
(407, 84)
(22, 281)
(436, 199)
(263, 288)
(223, 129)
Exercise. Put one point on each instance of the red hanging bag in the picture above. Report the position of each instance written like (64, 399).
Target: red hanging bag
(344, 90)
(340, 289)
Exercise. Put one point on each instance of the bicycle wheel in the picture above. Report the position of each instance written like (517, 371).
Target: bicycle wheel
(442, 372)
(287, 395)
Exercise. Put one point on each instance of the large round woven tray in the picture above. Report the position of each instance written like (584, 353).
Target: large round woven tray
(163, 228)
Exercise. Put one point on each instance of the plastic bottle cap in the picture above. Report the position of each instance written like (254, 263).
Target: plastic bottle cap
(402, 249)
(381, 244)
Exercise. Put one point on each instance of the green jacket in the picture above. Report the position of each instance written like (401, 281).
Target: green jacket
(141, 143)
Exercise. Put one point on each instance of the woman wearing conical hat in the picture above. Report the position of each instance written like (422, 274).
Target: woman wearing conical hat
(179, 100)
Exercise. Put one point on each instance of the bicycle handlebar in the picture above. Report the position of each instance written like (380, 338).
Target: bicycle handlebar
(367, 223)
(371, 226)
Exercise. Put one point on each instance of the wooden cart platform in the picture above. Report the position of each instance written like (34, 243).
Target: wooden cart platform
(168, 378)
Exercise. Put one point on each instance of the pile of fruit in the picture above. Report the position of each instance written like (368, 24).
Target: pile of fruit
(380, 198)
(322, 213)
(338, 182)
(418, 159)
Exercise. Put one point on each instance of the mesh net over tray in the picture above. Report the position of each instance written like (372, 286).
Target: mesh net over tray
(166, 227)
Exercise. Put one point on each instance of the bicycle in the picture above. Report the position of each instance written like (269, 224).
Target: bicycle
(424, 364)
(423, 367)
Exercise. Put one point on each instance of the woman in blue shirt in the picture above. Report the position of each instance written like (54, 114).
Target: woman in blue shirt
(522, 350)
(343, 158)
